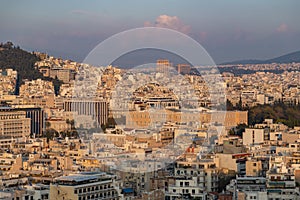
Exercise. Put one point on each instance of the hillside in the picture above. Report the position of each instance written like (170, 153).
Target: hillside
(19, 60)
(287, 58)
(280, 112)
(23, 62)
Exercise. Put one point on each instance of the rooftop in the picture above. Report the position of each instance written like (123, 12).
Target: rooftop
(82, 178)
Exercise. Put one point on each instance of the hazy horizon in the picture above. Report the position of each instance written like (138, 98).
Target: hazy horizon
(229, 30)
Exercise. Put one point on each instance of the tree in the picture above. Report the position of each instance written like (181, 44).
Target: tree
(72, 123)
(239, 105)
(50, 134)
(48, 125)
(229, 105)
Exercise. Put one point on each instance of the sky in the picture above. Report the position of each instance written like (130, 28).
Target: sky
(228, 29)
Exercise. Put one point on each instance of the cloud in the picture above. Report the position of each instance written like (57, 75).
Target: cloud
(282, 28)
(172, 22)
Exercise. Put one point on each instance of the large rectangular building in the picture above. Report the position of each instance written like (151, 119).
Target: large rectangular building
(13, 124)
(37, 118)
(144, 119)
(183, 69)
(163, 66)
(84, 186)
(97, 109)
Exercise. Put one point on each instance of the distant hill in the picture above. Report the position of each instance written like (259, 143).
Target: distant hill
(287, 58)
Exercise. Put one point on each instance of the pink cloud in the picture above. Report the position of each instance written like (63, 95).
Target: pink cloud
(172, 22)
(282, 28)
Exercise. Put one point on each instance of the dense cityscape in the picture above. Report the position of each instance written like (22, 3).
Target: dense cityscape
(150, 100)
(60, 145)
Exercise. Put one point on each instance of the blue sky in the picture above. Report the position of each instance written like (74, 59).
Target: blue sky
(227, 29)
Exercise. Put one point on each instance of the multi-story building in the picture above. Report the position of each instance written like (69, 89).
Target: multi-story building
(281, 183)
(183, 68)
(246, 188)
(146, 118)
(37, 116)
(193, 179)
(65, 75)
(257, 166)
(85, 186)
(253, 136)
(13, 124)
(163, 66)
(96, 109)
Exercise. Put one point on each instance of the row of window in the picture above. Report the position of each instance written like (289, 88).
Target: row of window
(95, 188)
(96, 196)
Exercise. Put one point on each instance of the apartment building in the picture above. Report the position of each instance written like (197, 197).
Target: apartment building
(13, 123)
(192, 179)
(84, 186)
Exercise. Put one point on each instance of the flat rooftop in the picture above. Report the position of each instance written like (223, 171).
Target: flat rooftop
(82, 178)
